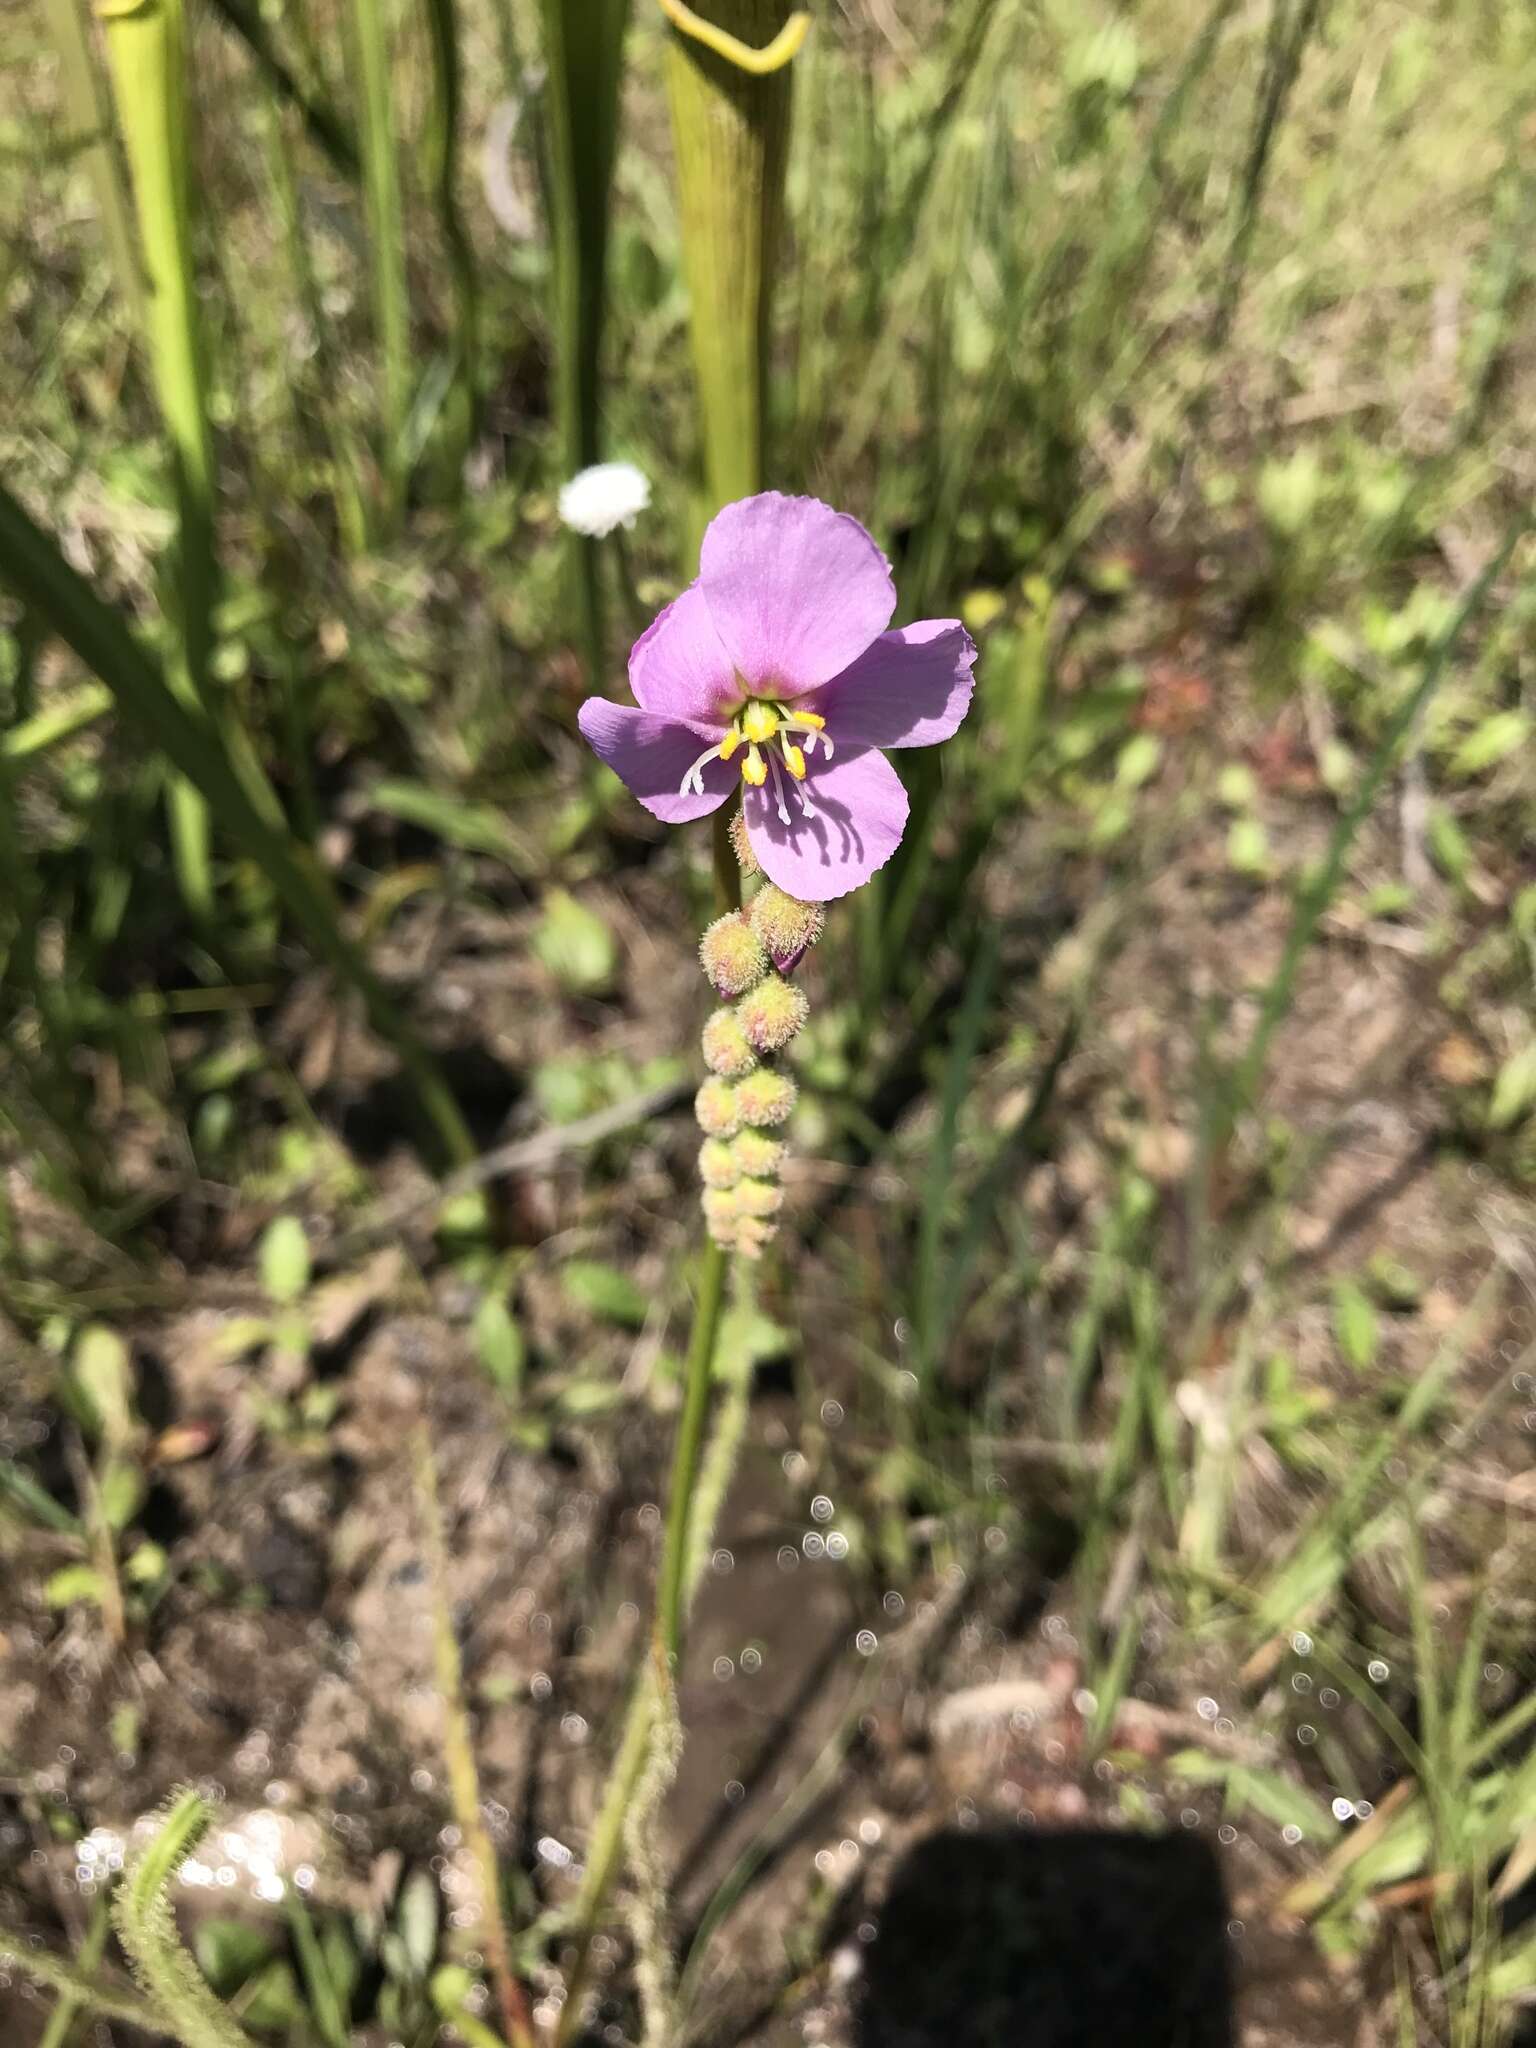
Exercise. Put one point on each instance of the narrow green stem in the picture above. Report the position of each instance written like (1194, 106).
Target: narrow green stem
(584, 50)
(459, 1749)
(147, 60)
(447, 70)
(679, 1575)
(326, 127)
(606, 1848)
(386, 240)
(61, 2021)
(698, 1378)
(91, 117)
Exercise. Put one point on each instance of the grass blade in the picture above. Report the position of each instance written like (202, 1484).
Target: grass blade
(243, 800)
(386, 240)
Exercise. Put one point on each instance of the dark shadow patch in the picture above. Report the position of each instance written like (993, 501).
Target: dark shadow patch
(1060, 1940)
(386, 1115)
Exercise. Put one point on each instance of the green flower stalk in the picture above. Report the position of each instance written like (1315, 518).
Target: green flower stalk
(728, 79)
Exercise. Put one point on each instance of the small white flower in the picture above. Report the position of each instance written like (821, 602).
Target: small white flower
(607, 495)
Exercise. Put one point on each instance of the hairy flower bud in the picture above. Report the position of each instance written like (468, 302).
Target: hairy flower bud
(757, 1155)
(785, 926)
(720, 1216)
(727, 1051)
(716, 1111)
(718, 1165)
(751, 1234)
(758, 1197)
(741, 846)
(732, 955)
(771, 1014)
(765, 1098)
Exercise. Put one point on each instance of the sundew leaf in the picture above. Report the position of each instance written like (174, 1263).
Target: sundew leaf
(1514, 1092)
(71, 1584)
(604, 1292)
(284, 1260)
(103, 1373)
(1505, 733)
(21, 1492)
(499, 1342)
(475, 827)
(1355, 1324)
(575, 945)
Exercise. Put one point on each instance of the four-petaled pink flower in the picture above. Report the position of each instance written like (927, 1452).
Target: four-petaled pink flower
(776, 665)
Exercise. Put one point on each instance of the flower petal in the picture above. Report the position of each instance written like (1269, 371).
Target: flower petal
(653, 755)
(796, 590)
(910, 689)
(851, 824)
(678, 669)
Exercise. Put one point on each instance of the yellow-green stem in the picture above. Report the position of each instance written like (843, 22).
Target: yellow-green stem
(688, 1450)
(447, 94)
(386, 241)
(731, 130)
(678, 1576)
(147, 60)
(91, 118)
(459, 1751)
(584, 52)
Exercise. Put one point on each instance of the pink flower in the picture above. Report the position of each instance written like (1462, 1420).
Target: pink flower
(775, 667)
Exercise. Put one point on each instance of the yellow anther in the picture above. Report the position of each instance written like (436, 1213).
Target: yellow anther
(813, 719)
(754, 769)
(730, 743)
(760, 721)
(794, 760)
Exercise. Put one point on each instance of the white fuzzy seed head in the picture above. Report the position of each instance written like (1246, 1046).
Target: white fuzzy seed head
(607, 495)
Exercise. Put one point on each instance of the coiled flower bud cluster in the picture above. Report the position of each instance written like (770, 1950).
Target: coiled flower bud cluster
(747, 956)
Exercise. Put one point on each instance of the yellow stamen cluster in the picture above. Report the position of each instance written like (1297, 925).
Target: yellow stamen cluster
(768, 735)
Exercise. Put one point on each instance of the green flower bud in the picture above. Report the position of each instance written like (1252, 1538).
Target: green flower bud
(715, 1110)
(726, 1048)
(732, 955)
(765, 1098)
(751, 1234)
(718, 1164)
(741, 846)
(785, 926)
(720, 1216)
(758, 1198)
(771, 1014)
(757, 1155)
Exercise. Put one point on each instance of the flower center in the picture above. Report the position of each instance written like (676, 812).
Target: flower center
(776, 738)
